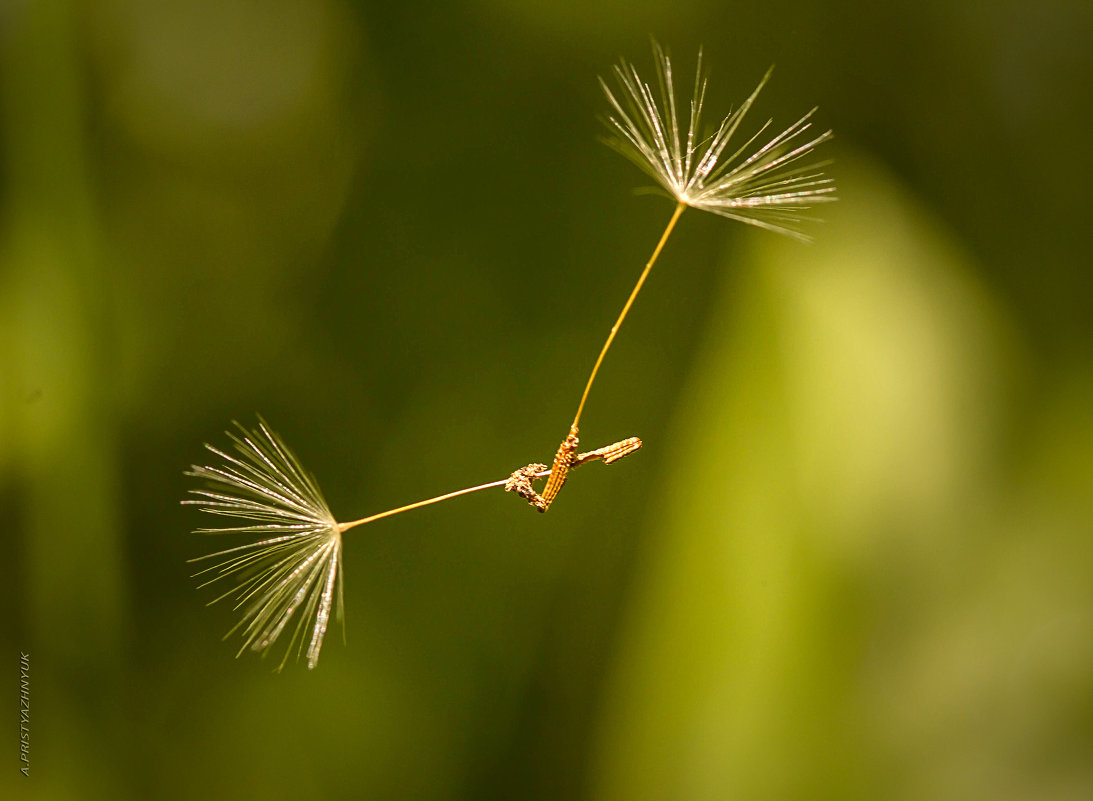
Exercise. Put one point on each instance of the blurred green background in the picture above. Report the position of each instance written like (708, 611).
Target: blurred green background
(854, 558)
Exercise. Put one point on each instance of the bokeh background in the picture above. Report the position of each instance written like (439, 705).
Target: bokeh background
(854, 558)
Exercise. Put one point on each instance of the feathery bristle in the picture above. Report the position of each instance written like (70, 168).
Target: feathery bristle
(293, 568)
(767, 187)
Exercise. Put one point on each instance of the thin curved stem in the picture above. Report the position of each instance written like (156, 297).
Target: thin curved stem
(419, 504)
(626, 308)
(608, 455)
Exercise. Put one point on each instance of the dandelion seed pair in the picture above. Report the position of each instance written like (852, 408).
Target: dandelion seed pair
(289, 576)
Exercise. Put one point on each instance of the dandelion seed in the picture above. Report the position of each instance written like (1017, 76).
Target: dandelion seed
(293, 568)
(766, 186)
